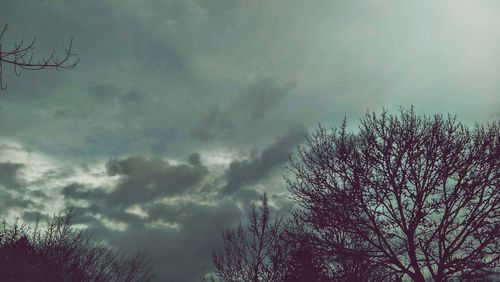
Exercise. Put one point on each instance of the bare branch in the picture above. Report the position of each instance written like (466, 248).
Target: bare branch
(422, 192)
(20, 57)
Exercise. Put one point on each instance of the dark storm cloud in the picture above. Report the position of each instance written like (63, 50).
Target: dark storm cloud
(216, 121)
(110, 41)
(10, 199)
(78, 191)
(260, 166)
(58, 173)
(143, 180)
(8, 175)
(38, 194)
(181, 252)
(86, 215)
(178, 237)
(14, 191)
(201, 227)
(34, 216)
(260, 97)
(252, 105)
(184, 213)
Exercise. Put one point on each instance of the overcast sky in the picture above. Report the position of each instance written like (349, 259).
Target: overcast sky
(180, 113)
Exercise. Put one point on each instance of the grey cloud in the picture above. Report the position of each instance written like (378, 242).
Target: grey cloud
(107, 94)
(261, 96)
(147, 179)
(58, 173)
(86, 215)
(34, 216)
(103, 92)
(252, 105)
(496, 115)
(245, 194)
(39, 194)
(181, 254)
(218, 7)
(216, 121)
(10, 199)
(78, 191)
(109, 37)
(69, 113)
(49, 176)
(160, 138)
(258, 167)
(106, 141)
(8, 175)
(132, 99)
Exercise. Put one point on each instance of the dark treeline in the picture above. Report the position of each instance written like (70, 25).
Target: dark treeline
(405, 197)
(63, 253)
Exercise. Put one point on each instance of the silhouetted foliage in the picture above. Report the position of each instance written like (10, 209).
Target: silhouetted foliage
(255, 253)
(62, 253)
(418, 196)
(266, 251)
(20, 56)
(313, 258)
(303, 263)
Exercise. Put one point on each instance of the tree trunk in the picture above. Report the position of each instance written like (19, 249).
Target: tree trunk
(417, 276)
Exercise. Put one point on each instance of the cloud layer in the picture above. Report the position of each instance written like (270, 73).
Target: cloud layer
(181, 113)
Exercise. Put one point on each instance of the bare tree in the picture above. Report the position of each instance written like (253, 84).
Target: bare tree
(304, 262)
(423, 192)
(329, 254)
(62, 253)
(20, 56)
(255, 253)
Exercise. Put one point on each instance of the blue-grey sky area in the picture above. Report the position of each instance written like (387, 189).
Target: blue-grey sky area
(180, 113)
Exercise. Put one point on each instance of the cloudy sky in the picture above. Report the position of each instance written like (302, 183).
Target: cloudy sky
(180, 113)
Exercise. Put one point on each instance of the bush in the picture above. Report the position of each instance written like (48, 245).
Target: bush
(63, 253)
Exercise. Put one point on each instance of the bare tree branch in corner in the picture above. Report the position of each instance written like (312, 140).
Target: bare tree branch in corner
(20, 56)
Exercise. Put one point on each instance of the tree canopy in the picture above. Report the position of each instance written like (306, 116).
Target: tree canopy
(402, 197)
(63, 253)
(423, 192)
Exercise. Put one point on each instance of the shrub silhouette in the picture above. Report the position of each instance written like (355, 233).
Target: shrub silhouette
(62, 253)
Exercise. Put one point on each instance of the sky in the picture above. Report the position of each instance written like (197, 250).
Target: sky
(182, 113)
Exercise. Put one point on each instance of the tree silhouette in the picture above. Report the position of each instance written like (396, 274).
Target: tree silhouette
(303, 263)
(256, 253)
(20, 56)
(266, 250)
(62, 253)
(421, 192)
(332, 255)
